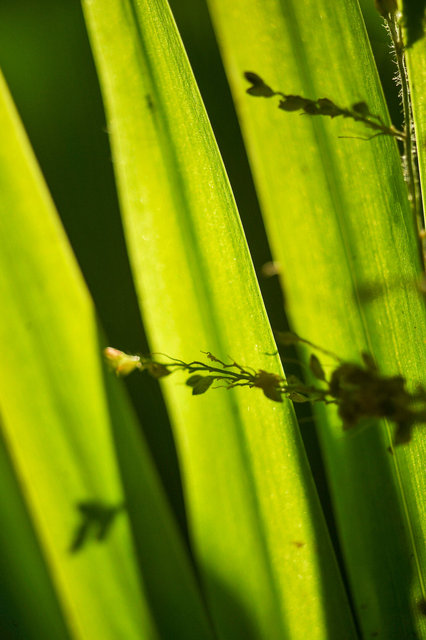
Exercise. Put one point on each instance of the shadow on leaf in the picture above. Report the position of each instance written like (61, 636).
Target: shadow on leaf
(95, 521)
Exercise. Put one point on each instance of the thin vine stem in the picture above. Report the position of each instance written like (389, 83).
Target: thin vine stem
(395, 31)
(360, 391)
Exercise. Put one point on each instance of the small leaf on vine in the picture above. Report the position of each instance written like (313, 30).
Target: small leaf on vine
(316, 367)
(202, 385)
(361, 108)
(328, 108)
(368, 360)
(287, 338)
(193, 380)
(258, 88)
(360, 391)
(293, 103)
(211, 357)
(270, 385)
(157, 370)
(403, 433)
(359, 111)
(294, 396)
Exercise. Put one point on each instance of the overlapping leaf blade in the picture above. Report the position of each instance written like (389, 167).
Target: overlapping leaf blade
(258, 533)
(21, 579)
(340, 225)
(73, 443)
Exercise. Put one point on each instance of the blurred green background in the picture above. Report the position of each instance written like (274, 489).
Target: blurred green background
(47, 62)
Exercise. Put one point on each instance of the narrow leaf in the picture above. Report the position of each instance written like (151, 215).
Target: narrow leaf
(316, 367)
(72, 440)
(340, 225)
(20, 580)
(248, 487)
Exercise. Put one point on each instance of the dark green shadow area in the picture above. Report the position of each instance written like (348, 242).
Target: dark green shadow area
(29, 608)
(374, 492)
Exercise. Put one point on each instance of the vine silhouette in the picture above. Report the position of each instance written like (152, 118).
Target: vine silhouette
(359, 390)
(360, 112)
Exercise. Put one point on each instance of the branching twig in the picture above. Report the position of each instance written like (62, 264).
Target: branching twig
(359, 111)
(359, 391)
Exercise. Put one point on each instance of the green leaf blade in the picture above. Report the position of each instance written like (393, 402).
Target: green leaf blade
(248, 507)
(341, 228)
(73, 441)
(21, 580)
(40, 389)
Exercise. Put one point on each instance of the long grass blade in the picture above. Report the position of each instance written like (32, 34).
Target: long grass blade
(75, 453)
(21, 580)
(340, 225)
(259, 537)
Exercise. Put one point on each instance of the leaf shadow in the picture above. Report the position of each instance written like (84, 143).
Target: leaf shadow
(95, 520)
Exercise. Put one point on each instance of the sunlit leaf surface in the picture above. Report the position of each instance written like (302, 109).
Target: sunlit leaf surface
(258, 534)
(340, 226)
(74, 467)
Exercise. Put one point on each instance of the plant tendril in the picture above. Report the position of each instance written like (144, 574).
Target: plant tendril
(359, 390)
